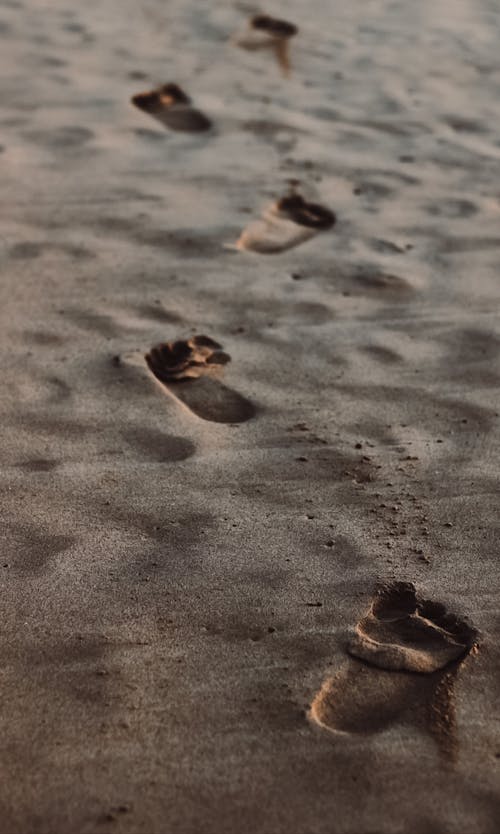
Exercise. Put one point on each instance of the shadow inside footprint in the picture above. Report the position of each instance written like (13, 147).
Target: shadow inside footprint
(409, 652)
(402, 632)
(289, 221)
(264, 32)
(172, 107)
(190, 370)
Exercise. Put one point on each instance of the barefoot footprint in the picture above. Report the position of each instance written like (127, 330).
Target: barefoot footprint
(172, 107)
(286, 223)
(411, 650)
(190, 370)
(402, 632)
(264, 32)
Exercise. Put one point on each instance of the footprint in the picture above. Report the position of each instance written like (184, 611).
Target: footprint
(190, 370)
(403, 632)
(288, 222)
(264, 32)
(172, 107)
(406, 655)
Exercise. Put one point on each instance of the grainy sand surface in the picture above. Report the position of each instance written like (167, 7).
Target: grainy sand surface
(178, 592)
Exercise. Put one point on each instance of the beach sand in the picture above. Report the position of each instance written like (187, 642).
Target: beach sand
(185, 561)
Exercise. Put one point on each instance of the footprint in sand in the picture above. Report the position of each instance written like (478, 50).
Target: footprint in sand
(403, 632)
(286, 223)
(411, 650)
(172, 107)
(264, 32)
(190, 370)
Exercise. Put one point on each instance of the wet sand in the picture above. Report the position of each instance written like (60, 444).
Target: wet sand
(190, 543)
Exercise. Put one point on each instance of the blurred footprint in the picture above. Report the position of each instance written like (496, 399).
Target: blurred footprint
(289, 221)
(264, 32)
(172, 107)
(190, 370)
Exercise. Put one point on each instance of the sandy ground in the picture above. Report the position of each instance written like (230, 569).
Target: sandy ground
(177, 591)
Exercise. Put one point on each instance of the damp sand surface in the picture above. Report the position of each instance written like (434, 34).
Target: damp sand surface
(191, 548)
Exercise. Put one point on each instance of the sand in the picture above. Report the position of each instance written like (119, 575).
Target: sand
(177, 590)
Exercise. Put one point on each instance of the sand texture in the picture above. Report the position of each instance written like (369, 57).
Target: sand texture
(250, 497)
